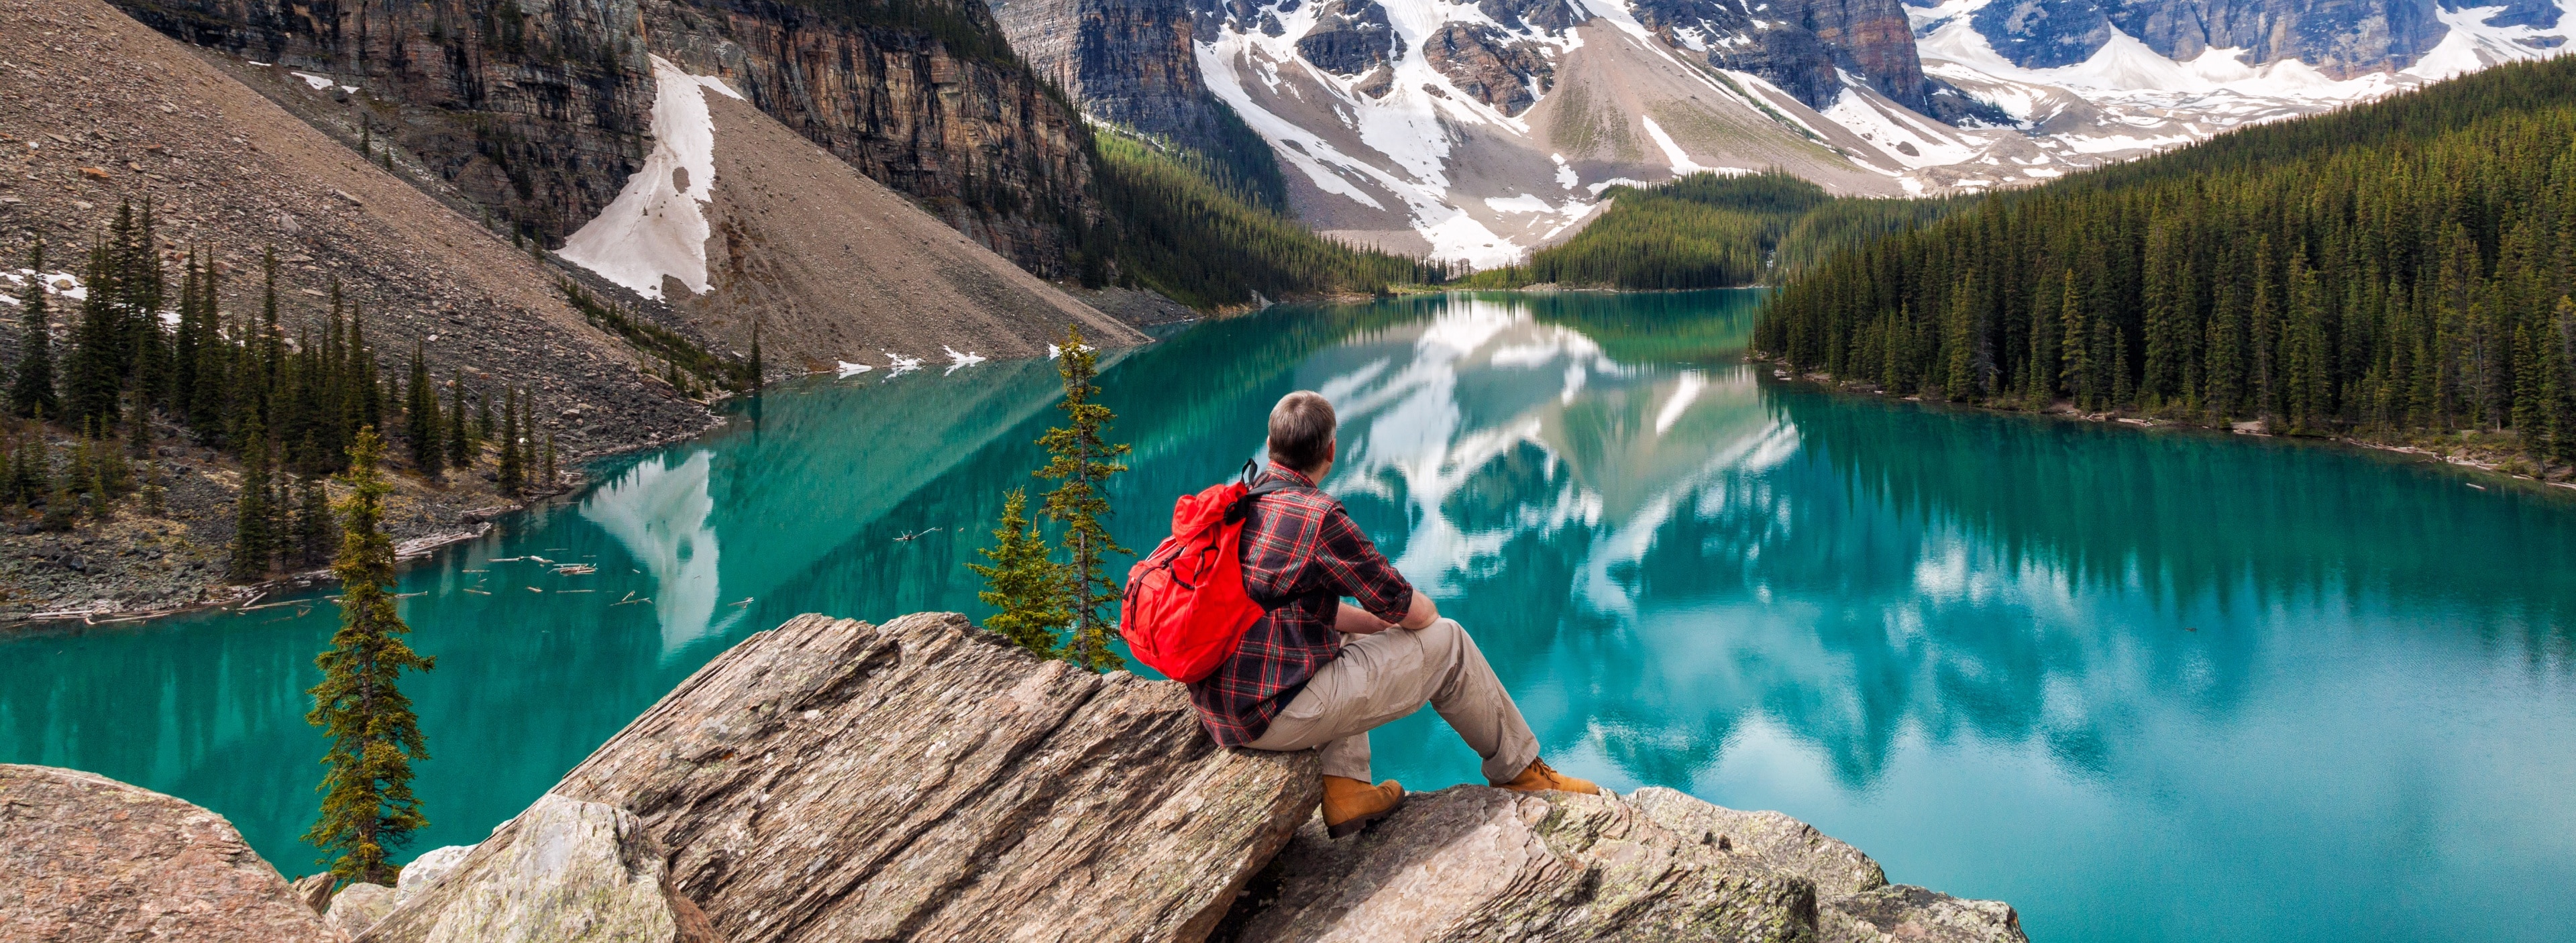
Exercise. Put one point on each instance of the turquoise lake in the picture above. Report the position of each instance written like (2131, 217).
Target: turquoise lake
(2143, 684)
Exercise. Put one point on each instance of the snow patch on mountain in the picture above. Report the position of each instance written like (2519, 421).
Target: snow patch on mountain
(656, 227)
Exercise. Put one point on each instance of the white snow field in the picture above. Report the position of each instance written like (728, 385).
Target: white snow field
(656, 227)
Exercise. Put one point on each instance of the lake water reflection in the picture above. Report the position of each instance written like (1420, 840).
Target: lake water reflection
(2144, 685)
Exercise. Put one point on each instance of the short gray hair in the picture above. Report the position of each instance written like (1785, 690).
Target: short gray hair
(1301, 430)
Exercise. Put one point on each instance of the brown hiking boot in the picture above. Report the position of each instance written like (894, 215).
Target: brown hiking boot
(1349, 804)
(1539, 776)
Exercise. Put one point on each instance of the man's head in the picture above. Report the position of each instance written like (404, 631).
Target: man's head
(1301, 432)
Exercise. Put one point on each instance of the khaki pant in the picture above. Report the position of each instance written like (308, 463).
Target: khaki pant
(1384, 677)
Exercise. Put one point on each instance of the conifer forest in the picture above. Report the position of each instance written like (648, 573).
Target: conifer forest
(2398, 269)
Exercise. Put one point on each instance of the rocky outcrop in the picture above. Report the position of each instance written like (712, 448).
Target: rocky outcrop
(2340, 37)
(563, 871)
(84, 857)
(832, 779)
(1350, 37)
(1800, 45)
(537, 110)
(1855, 904)
(1490, 65)
(1474, 863)
(1124, 61)
(358, 907)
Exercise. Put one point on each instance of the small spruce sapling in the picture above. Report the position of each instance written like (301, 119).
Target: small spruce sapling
(1025, 587)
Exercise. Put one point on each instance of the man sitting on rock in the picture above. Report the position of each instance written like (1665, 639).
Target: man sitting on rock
(1318, 671)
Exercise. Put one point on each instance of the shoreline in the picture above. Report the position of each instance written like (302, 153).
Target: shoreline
(1781, 372)
(476, 523)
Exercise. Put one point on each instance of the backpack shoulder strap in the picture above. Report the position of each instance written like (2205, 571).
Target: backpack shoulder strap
(1264, 486)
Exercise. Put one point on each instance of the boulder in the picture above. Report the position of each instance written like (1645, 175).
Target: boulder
(315, 890)
(1476, 863)
(359, 906)
(427, 869)
(564, 871)
(832, 779)
(1855, 902)
(84, 857)
(1473, 863)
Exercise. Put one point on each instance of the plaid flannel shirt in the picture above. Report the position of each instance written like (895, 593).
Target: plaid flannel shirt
(1301, 555)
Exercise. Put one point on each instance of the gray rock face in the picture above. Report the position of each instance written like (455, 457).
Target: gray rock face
(84, 858)
(1124, 61)
(1473, 863)
(564, 871)
(358, 907)
(2339, 37)
(1801, 45)
(831, 779)
(1350, 37)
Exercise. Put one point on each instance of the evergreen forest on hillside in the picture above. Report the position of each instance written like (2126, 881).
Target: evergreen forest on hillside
(288, 405)
(1711, 231)
(1196, 229)
(2397, 268)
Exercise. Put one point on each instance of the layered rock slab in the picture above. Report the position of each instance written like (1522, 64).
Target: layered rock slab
(564, 871)
(1855, 904)
(1474, 863)
(835, 780)
(1471, 863)
(84, 857)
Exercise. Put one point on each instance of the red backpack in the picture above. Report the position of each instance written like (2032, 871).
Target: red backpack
(1186, 610)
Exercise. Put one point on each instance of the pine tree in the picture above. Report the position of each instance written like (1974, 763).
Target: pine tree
(31, 391)
(254, 544)
(31, 477)
(95, 374)
(1024, 586)
(513, 474)
(460, 452)
(1084, 461)
(368, 809)
(138, 442)
(482, 419)
(210, 393)
(144, 291)
(420, 419)
(754, 385)
(317, 533)
(548, 482)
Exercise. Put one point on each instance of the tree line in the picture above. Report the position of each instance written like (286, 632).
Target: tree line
(145, 353)
(2395, 269)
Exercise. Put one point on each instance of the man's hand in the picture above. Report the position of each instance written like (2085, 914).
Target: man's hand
(1353, 620)
(1422, 614)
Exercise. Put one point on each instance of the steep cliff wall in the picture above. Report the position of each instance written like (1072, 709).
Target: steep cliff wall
(1800, 45)
(536, 109)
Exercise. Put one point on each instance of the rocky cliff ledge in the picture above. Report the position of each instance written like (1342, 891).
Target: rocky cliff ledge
(835, 780)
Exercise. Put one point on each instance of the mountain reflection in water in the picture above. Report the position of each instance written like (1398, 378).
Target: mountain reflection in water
(2143, 685)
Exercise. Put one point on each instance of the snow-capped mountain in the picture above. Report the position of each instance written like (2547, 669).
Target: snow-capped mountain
(1476, 131)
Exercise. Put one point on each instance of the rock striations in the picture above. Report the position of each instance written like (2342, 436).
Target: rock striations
(919, 780)
(831, 779)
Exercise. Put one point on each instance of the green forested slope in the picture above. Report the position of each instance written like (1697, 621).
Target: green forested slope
(1185, 225)
(1710, 231)
(2395, 269)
